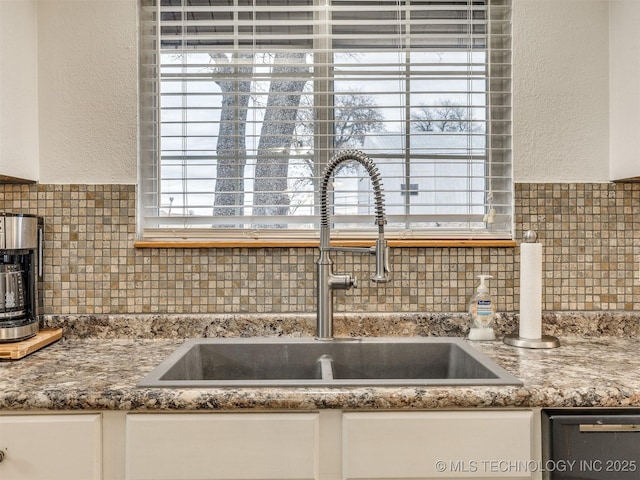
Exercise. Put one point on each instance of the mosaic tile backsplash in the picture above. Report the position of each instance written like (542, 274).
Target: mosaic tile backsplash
(590, 233)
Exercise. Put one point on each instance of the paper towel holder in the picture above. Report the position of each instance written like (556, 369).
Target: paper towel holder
(545, 341)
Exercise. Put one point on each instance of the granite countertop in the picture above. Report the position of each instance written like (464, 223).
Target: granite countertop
(101, 371)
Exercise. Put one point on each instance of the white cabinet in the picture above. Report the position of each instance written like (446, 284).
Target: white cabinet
(624, 89)
(51, 447)
(323, 445)
(331, 445)
(222, 446)
(19, 90)
(454, 444)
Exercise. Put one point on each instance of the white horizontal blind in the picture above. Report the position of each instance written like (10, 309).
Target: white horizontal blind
(243, 102)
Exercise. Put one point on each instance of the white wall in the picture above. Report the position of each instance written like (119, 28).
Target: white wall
(88, 85)
(87, 54)
(18, 89)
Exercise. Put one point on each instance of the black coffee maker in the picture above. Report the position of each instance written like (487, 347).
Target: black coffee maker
(21, 239)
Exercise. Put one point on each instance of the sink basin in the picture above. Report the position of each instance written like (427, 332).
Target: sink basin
(244, 362)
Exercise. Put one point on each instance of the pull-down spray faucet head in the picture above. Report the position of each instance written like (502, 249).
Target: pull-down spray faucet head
(382, 262)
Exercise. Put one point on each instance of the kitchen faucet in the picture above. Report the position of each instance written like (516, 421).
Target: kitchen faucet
(327, 280)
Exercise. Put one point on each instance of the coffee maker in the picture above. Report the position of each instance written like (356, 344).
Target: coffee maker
(21, 239)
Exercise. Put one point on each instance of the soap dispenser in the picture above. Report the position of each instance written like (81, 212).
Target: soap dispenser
(483, 311)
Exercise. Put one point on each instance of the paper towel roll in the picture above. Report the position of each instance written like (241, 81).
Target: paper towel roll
(531, 290)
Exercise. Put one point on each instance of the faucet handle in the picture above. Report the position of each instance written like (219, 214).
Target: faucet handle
(342, 282)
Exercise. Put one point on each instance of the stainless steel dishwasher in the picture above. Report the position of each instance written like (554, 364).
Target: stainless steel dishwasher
(585, 444)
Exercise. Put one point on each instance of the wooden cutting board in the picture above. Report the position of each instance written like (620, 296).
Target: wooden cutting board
(17, 350)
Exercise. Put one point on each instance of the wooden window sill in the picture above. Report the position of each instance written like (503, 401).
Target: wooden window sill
(441, 243)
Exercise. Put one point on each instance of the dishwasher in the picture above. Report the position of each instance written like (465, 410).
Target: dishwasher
(586, 444)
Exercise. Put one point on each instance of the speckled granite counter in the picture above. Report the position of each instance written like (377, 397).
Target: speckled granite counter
(101, 373)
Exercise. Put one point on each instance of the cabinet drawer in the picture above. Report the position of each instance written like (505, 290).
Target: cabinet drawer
(222, 446)
(437, 444)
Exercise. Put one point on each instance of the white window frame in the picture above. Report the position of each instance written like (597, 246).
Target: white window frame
(498, 208)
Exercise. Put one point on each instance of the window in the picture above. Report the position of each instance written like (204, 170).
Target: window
(243, 103)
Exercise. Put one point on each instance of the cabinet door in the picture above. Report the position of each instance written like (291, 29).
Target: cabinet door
(225, 446)
(459, 444)
(51, 447)
(624, 90)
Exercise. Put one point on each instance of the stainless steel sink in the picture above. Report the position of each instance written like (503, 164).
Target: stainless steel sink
(242, 362)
